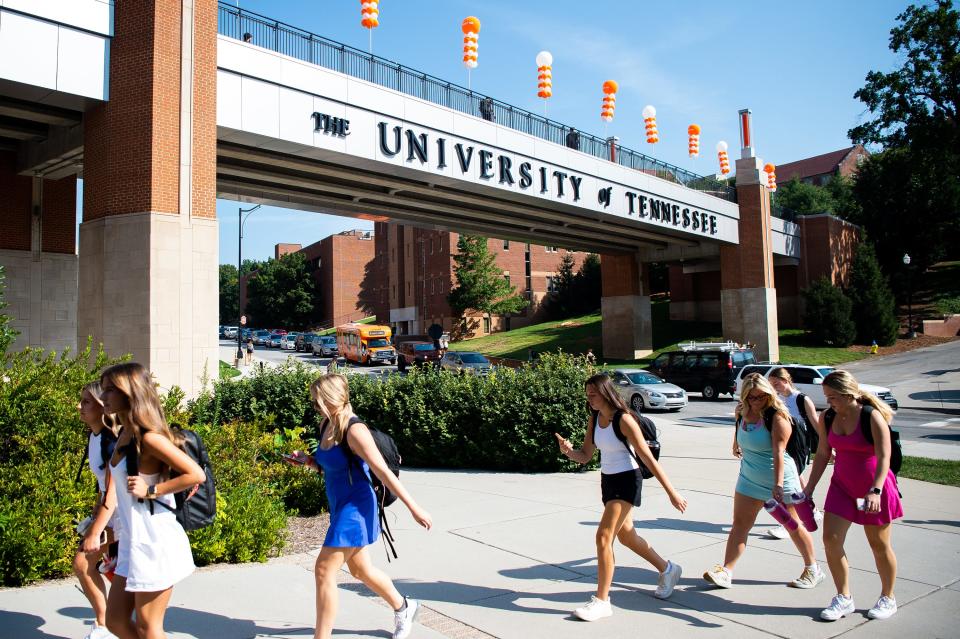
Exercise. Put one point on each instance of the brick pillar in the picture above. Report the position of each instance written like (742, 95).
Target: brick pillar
(148, 242)
(748, 298)
(625, 307)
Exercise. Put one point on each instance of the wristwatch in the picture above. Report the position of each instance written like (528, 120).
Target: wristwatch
(876, 491)
(152, 491)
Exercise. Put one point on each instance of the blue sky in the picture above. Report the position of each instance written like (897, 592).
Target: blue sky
(796, 65)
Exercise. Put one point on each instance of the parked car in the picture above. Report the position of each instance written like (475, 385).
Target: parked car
(325, 346)
(230, 332)
(275, 340)
(220, 331)
(710, 368)
(467, 362)
(289, 342)
(304, 341)
(642, 390)
(245, 334)
(809, 381)
(418, 352)
(261, 337)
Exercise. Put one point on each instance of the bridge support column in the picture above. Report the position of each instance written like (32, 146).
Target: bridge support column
(149, 244)
(625, 308)
(748, 297)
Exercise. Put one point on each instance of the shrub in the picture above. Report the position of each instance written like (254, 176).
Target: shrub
(874, 309)
(948, 305)
(827, 314)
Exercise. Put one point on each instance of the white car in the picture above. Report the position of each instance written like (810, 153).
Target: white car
(809, 381)
(642, 390)
(289, 342)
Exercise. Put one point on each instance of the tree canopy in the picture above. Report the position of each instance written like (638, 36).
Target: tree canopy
(283, 293)
(480, 284)
(229, 295)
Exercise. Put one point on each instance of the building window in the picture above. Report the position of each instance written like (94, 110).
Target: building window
(551, 284)
(507, 278)
(486, 324)
(506, 245)
(433, 290)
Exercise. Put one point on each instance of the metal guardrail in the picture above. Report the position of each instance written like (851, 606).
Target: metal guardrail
(234, 22)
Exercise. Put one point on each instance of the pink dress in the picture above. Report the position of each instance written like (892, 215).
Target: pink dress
(853, 475)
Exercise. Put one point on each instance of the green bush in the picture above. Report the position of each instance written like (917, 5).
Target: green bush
(873, 308)
(948, 305)
(827, 314)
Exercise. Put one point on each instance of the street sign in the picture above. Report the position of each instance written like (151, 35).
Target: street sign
(243, 320)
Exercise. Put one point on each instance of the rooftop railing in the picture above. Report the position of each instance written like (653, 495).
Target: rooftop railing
(234, 22)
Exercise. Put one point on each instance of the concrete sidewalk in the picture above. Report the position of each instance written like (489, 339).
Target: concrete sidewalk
(511, 555)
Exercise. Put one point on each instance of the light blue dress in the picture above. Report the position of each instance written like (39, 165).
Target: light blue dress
(756, 466)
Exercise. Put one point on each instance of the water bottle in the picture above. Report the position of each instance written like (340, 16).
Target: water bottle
(781, 514)
(805, 510)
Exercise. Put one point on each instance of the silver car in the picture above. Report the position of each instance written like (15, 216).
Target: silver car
(642, 390)
(466, 362)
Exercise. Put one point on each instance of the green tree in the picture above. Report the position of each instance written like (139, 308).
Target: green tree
(802, 198)
(480, 285)
(283, 293)
(7, 334)
(229, 295)
(827, 314)
(562, 301)
(844, 202)
(588, 286)
(874, 309)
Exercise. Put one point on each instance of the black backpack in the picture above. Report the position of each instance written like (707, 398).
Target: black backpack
(896, 451)
(647, 427)
(108, 442)
(798, 445)
(196, 507)
(813, 439)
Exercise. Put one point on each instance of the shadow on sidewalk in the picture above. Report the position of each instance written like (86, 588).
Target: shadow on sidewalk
(196, 623)
(25, 626)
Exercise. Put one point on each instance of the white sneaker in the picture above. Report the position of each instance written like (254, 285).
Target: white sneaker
(596, 609)
(777, 532)
(811, 578)
(99, 632)
(817, 517)
(403, 619)
(719, 576)
(840, 606)
(885, 608)
(668, 580)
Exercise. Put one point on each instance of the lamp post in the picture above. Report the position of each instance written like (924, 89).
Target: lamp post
(240, 221)
(910, 333)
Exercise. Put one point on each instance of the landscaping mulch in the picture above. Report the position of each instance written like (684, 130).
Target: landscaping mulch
(903, 345)
(305, 533)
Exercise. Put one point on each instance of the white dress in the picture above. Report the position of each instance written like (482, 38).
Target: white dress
(154, 551)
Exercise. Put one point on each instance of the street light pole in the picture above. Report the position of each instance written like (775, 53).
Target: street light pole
(240, 221)
(910, 332)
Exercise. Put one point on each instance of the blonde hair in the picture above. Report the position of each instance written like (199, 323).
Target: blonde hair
(330, 395)
(846, 384)
(94, 390)
(781, 373)
(756, 381)
(144, 413)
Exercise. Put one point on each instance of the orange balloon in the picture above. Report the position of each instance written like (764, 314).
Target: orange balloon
(470, 25)
(610, 86)
(769, 168)
(693, 129)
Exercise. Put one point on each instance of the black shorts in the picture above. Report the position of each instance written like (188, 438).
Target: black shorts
(625, 486)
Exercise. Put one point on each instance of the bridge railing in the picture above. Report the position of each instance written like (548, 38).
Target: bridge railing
(234, 22)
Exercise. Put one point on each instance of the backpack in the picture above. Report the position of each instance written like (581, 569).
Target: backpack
(798, 445)
(896, 451)
(813, 438)
(196, 507)
(647, 427)
(108, 442)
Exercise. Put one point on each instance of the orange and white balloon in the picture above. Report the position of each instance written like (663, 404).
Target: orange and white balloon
(544, 74)
(722, 156)
(471, 34)
(771, 176)
(650, 123)
(610, 88)
(693, 140)
(370, 13)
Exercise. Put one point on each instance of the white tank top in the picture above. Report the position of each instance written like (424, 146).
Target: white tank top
(794, 406)
(614, 456)
(97, 466)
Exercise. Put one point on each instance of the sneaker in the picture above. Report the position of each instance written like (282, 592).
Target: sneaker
(719, 576)
(809, 579)
(403, 619)
(596, 609)
(99, 632)
(777, 532)
(818, 517)
(668, 580)
(885, 608)
(840, 606)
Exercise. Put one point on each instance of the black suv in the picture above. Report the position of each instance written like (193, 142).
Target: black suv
(710, 369)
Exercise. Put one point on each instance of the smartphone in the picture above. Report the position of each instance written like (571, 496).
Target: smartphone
(295, 459)
(861, 503)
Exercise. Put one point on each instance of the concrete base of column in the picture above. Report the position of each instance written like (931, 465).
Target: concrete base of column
(41, 290)
(149, 287)
(750, 315)
(627, 327)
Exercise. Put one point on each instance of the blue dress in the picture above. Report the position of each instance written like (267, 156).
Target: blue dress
(353, 506)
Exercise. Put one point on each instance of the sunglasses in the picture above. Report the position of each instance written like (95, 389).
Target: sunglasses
(754, 398)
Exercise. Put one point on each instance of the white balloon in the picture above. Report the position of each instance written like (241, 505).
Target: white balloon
(721, 146)
(544, 59)
(649, 112)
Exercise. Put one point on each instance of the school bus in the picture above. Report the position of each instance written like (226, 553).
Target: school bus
(366, 344)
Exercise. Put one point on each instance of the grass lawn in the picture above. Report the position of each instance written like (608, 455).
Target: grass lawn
(576, 335)
(227, 371)
(938, 471)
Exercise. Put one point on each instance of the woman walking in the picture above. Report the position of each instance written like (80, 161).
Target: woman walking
(154, 551)
(347, 454)
(621, 482)
(766, 472)
(99, 530)
(862, 490)
(804, 412)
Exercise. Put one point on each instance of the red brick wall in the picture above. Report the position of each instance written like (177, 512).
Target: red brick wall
(16, 198)
(205, 109)
(60, 216)
(284, 249)
(749, 264)
(827, 245)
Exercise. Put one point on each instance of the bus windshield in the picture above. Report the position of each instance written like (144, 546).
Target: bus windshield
(378, 343)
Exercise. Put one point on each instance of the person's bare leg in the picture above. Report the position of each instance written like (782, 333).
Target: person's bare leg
(374, 578)
(802, 540)
(325, 571)
(91, 581)
(834, 535)
(614, 514)
(628, 537)
(745, 511)
(120, 605)
(879, 538)
(151, 608)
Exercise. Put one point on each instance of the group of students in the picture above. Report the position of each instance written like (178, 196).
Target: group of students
(153, 552)
(862, 489)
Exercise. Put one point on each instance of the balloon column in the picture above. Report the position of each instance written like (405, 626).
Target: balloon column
(471, 33)
(610, 88)
(722, 156)
(693, 141)
(370, 13)
(650, 122)
(544, 74)
(771, 176)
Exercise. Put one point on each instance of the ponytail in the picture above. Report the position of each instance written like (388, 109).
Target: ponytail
(878, 405)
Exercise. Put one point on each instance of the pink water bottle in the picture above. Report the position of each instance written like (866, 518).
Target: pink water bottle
(805, 510)
(781, 514)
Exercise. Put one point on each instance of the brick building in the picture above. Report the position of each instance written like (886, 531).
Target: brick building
(413, 272)
(819, 169)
